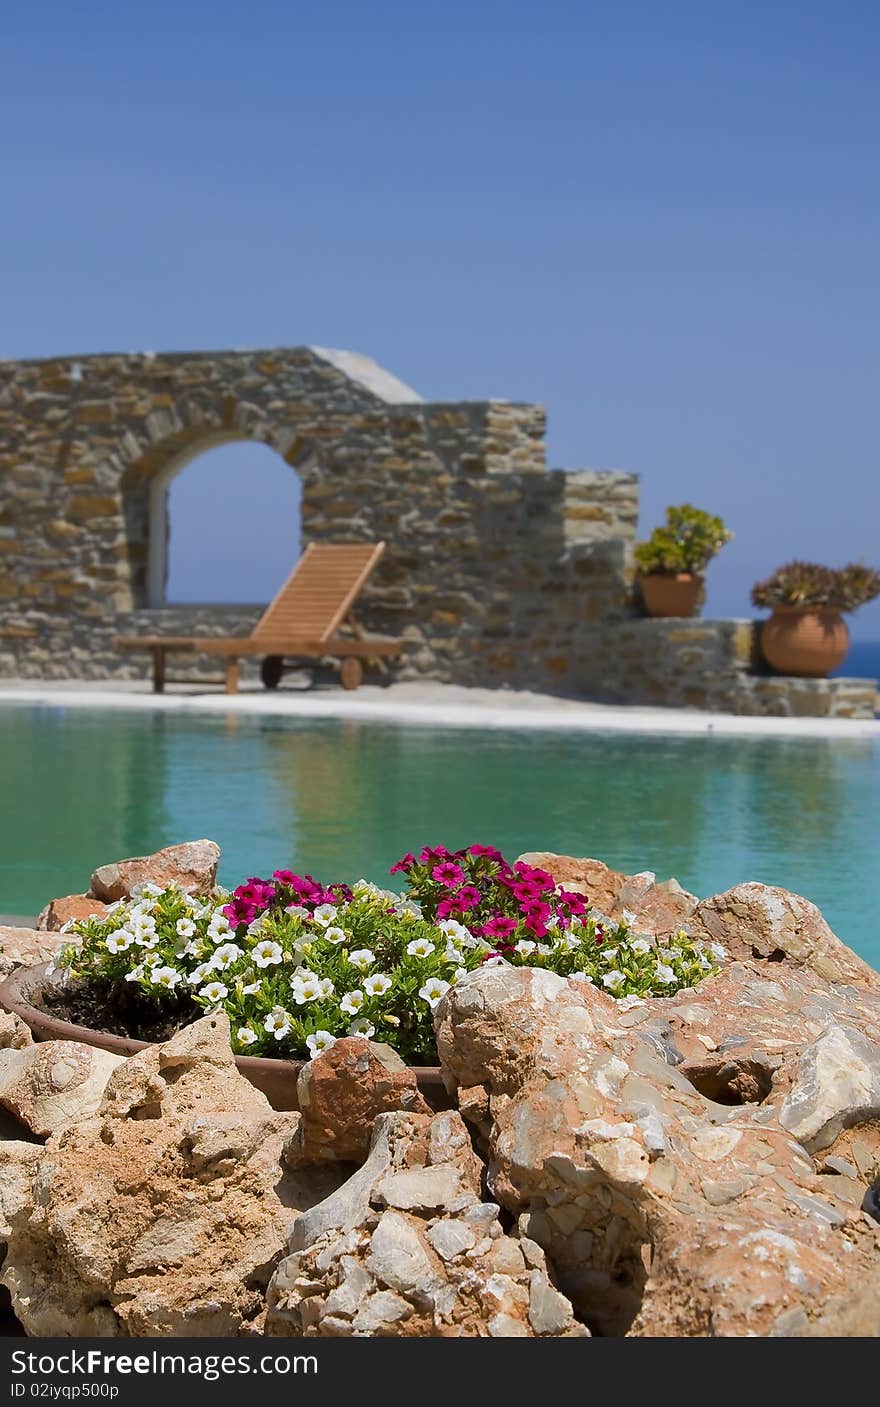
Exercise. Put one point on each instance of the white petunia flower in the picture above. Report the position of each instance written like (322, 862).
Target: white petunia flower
(420, 948)
(151, 960)
(640, 946)
(298, 910)
(225, 956)
(581, 977)
(453, 929)
(277, 1023)
(118, 942)
(251, 989)
(352, 1002)
(266, 953)
(307, 989)
(335, 935)
(326, 988)
(608, 953)
(628, 917)
(199, 973)
(566, 941)
(362, 1027)
(153, 890)
(219, 927)
(325, 914)
(319, 1042)
(433, 991)
(245, 1036)
(613, 980)
(214, 992)
(664, 973)
(377, 984)
(362, 958)
(185, 928)
(134, 974)
(459, 973)
(166, 977)
(524, 947)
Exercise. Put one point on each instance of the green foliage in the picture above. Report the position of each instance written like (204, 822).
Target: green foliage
(687, 542)
(811, 584)
(292, 982)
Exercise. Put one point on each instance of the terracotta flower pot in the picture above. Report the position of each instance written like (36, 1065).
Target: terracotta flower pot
(21, 993)
(665, 594)
(806, 641)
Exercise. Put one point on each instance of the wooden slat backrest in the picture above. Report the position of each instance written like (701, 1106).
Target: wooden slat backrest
(319, 592)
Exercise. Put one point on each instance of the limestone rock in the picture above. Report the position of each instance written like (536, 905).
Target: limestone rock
(54, 1084)
(163, 1214)
(192, 866)
(836, 1085)
(412, 1251)
(14, 1034)
(22, 947)
(341, 1092)
(661, 908)
(762, 921)
(646, 1152)
(69, 908)
(18, 1163)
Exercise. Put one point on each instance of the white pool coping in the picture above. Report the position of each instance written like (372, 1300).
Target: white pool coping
(427, 706)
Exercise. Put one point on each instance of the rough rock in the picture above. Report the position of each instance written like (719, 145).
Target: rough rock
(341, 1092)
(644, 1147)
(600, 884)
(56, 1083)
(660, 908)
(69, 908)
(22, 947)
(164, 1214)
(192, 866)
(18, 1164)
(762, 921)
(14, 1034)
(413, 1251)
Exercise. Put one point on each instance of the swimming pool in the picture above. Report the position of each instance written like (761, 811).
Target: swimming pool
(342, 799)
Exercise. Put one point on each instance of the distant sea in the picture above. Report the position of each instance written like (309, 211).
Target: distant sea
(862, 662)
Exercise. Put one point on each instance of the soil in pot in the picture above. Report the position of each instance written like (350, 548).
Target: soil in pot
(118, 1009)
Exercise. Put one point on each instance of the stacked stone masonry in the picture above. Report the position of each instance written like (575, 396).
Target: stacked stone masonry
(496, 571)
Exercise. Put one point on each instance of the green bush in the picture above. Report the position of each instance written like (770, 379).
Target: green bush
(687, 542)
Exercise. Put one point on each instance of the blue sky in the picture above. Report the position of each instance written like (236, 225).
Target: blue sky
(661, 220)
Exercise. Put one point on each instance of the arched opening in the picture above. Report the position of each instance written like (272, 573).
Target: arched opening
(224, 525)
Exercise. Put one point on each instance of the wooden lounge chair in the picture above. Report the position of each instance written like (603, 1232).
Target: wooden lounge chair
(310, 619)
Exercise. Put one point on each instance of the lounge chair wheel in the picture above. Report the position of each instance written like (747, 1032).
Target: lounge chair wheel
(351, 672)
(271, 670)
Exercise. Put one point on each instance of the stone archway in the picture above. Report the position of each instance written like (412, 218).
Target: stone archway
(495, 571)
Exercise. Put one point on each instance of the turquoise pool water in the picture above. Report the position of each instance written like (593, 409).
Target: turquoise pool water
(343, 799)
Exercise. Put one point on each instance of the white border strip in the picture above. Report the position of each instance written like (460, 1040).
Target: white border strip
(514, 714)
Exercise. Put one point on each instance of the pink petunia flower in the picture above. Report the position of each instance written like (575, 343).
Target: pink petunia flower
(449, 874)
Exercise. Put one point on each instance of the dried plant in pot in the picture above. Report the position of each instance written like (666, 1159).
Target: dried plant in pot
(806, 635)
(672, 561)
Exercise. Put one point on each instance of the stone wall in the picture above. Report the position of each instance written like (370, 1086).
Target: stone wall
(496, 572)
(707, 664)
(492, 564)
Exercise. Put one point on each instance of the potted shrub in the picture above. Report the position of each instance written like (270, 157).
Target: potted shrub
(296, 965)
(806, 634)
(672, 561)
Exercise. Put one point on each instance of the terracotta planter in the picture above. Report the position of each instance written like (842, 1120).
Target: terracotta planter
(277, 1079)
(806, 641)
(672, 595)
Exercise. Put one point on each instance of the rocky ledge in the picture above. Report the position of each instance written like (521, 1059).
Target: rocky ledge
(706, 1164)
